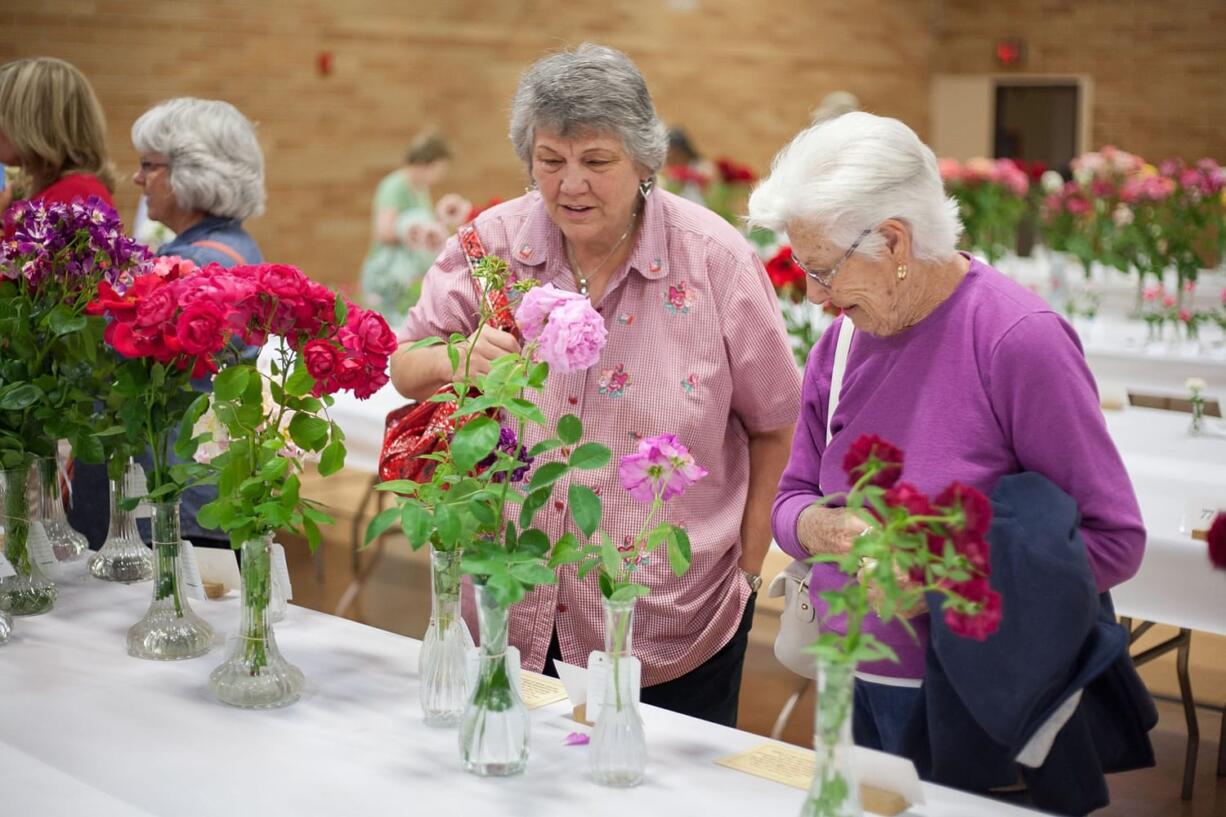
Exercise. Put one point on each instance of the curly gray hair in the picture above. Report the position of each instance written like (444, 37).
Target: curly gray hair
(592, 88)
(216, 165)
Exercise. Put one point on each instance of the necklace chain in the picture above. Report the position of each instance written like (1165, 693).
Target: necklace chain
(580, 278)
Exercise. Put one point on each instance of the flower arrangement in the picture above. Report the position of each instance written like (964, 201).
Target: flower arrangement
(991, 196)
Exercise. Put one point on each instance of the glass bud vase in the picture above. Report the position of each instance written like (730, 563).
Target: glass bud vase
(124, 556)
(66, 543)
(494, 728)
(29, 592)
(254, 674)
(445, 648)
(6, 627)
(1196, 427)
(618, 750)
(834, 791)
(170, 630)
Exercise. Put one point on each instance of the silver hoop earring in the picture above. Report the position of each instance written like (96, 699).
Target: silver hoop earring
(646, 186)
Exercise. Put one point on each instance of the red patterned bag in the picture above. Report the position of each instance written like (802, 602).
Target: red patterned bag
(427, 428)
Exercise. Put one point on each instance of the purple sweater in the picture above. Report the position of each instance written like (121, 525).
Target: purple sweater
(993, 382)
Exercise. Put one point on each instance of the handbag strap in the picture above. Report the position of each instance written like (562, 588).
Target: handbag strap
(495, 301)
(841, 350)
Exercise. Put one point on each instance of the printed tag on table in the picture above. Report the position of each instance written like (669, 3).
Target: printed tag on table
(540, 690)
(280, 570)
(189, 570)
(38, 544)
(6, 567)
(598, 666)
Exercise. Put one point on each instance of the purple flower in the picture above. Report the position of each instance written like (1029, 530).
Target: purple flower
(74, 244)
(509, 445)
(577, 739)
(662, 465)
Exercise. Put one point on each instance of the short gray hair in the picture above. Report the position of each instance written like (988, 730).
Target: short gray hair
(216, 165)
(593, 88)
(853, 172)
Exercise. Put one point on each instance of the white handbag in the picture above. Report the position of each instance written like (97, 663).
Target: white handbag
(798, 624)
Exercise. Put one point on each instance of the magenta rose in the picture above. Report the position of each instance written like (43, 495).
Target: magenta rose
(282, 281)
(372, 331)
(536, 305)
(573, 337)
(870, 453)
(200, 329)
(321, 357)
(662, 465)
(156, 309)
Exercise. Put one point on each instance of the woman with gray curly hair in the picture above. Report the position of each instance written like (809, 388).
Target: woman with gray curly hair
(696, 347)
(202, 172)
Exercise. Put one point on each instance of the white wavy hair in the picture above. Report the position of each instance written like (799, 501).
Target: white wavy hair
(853, 172)
(216, 165)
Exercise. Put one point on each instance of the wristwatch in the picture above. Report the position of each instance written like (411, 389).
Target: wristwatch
(753, 579)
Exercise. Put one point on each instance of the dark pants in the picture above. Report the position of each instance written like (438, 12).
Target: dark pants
(880, 713)
(709, 692)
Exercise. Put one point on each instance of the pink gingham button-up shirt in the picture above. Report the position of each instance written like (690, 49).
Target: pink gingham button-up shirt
(696, 348)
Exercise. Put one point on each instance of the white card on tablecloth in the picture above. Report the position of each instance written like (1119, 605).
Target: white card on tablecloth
(574, 679)
(888, 773)
(599, 666)
(6, 568)
(136, 484)
(473, 666)
(280, 570)
(38, 544)
(189, 571)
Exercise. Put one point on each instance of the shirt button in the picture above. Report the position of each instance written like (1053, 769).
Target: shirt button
(561, 608)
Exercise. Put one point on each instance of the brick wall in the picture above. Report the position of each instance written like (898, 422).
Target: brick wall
(740, 76)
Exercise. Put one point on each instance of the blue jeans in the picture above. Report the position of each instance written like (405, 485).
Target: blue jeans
(880, 713)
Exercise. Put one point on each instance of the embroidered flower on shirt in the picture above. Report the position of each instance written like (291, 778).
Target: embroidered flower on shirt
(614, 382)
(679, 300)
(690, 383)
(625, 319)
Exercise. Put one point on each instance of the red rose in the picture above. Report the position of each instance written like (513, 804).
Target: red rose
(200, 329)
(156, 309)
(321, 358)
(1217, 541)
(282, 281)
(372, 332)
(349, 373)
(476, 211)
(871, 454)
(732, 173)
(783, 272)
(375, 379)
(974, 506)
(982, 623)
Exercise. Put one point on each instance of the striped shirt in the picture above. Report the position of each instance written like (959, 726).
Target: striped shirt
(696, 348)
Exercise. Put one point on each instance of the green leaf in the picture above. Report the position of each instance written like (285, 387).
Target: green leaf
(526, 410)
(474, 442)
(533, 574)
(308, 432)
(544, 446)
(610, 559)
(679, 554)
(332, 459)
(27, 394)
(382, 521)
(88, 448)
(566, 551)
(533, 503)
(630, 591)
(570, 429)
(537, 374)
(534, 541)
(425, 343)
(209, 516)
(547, 474)
(400, 486)
(62, 321)
(447, 523)
(342, 310)
(312, 533)
(584, 508)
(300, 382)
(415, 522)
(586, 568)
(231, 382)
(590, 456)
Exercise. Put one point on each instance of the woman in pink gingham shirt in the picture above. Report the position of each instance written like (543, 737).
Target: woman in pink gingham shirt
(696, 347)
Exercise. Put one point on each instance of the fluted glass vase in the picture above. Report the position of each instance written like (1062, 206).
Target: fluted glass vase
(834, 791)
(29, 592)
(254, 674)
(124, 556)
(6, 627)
(66, 542)
(494, 729)
(170, 630)
(618, 752)
(444, 651)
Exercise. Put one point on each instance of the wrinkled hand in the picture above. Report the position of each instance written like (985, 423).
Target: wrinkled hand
(493, 344)
(876, 595)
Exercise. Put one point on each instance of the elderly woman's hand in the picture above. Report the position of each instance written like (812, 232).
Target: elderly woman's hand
(491, 345)
(828, 530)
(876, 596)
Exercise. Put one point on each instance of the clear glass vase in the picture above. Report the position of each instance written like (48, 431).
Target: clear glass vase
(494, 729)
(834, 791)
(618, 752)
(6, 627)
(29, 592)
(124, 556)
(1197, 426)
(444, 651)
(254, 674)
(170, 630)
(66, 542)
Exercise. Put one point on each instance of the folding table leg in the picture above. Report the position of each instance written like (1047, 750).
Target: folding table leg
(1189, 711)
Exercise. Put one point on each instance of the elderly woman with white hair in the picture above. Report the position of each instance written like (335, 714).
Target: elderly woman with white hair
(973, 376)
(696, 347)
(202, 173)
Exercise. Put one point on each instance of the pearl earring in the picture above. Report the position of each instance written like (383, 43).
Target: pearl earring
(901, 272)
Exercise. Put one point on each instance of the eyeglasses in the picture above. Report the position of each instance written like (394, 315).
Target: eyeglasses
(826, 276)
(147, 167)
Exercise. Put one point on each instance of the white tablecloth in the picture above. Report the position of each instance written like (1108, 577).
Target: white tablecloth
(86, 730)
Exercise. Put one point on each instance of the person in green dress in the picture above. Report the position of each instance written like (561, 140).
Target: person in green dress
(405, 235)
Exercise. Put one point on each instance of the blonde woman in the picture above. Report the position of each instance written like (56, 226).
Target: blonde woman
(52, 127)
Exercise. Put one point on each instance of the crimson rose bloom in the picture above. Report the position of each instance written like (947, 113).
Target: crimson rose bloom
(321, 359)
(282, 281)
(1217, 541)
(973, 504)
(979, 625)
(373, 332)
(783, 272)
(201, 329)
(872, 452)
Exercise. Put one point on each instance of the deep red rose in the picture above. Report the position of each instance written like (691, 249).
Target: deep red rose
(907, 496)
(1217, 541)
(201, 327)
(282, 281)
(372, 332)
(870, 452)
(375, 380)
(986, 620)
(321, 358)
(155, 310)
(975, 507)
(783, 272)
(732, 172)
(349, 373)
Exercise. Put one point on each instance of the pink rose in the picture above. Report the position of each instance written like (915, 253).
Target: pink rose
(201, 328)
(534, 308)
(661, 465)
(573, 337)
(281, 280)
(156, 309)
